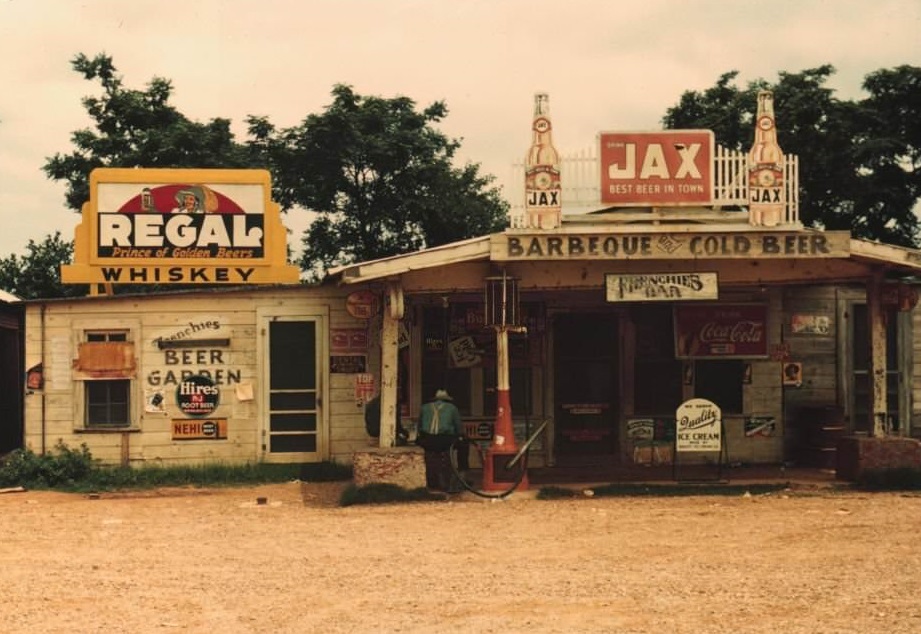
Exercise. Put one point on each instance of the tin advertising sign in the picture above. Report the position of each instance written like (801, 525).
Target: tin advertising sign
(721, 330)
(670, 168)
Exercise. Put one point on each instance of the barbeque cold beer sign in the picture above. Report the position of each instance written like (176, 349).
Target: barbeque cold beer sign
(180, 226)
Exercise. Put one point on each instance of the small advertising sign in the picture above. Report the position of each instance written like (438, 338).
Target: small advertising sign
(362, 304)
(197, 395)
(348, 339)
(810, 324)
(364, 387)
(721, 330)
(660, 287)
(671, 168)
(792, 374)
(204, 429)
(641, 428)
(698, 426)
(760, 426)
(464, 352)
(348, 364)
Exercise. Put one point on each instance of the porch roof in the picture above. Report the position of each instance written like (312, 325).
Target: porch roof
(901, 261)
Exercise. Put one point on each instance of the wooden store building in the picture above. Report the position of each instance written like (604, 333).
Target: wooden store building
(686, 280)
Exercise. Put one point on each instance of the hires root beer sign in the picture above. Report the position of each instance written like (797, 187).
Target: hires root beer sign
(671, 168)
(162, 226)
(721, 330)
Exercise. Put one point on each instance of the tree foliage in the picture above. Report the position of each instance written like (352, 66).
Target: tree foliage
(381, 178)
(37, 274)
(376, 171)
(139, 128)
(859, 159)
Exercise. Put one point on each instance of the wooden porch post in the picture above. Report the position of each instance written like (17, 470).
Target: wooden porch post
(879, 424)
(390, 331)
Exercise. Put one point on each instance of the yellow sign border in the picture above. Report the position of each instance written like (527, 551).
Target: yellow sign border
(90, 268)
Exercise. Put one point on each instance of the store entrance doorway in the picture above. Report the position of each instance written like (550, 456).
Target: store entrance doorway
(585, 387)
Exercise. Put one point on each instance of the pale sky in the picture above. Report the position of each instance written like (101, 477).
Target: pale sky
(607, 65)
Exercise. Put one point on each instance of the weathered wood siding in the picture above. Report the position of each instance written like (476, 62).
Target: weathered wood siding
(54, 330)
(915, 391)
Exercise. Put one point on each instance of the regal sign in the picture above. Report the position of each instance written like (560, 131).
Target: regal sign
(670, 168)
(721, 330)
(164, 226)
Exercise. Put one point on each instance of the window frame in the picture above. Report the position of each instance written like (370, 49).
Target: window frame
(898, 367)
(84, 384)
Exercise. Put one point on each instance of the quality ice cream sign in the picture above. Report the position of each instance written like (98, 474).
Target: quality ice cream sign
(698, 426)
(164, 226)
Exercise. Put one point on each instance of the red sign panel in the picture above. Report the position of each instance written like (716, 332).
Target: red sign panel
(641, 169)
(348, 340)
(721, 330)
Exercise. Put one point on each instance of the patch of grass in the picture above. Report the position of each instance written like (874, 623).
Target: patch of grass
(385, 493)
(902, 479)
(75, 470)
(326, 471)
(658, 490)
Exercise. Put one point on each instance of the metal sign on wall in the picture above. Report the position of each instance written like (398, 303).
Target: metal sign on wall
(207, 429)
(180, 226)
(662, 287)
(671, 168)
(721, 330)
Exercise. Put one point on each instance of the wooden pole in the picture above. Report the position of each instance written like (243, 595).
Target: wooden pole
(877, 376)
(390, 334)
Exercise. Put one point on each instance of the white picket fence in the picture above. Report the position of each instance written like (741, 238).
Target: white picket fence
(580, 174)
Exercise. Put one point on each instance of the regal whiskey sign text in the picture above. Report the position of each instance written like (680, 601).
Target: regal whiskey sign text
(163, 226)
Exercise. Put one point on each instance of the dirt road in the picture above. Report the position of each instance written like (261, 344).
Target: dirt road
(216, 561)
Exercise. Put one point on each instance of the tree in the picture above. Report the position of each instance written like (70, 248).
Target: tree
(381, 178)
(378, 174)
(37, 274)
(859, 160)
(136, 128)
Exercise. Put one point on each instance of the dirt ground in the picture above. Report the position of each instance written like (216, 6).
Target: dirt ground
(216, 561)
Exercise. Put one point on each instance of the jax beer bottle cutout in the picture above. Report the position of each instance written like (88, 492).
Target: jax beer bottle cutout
(767, 200)
(542, 171)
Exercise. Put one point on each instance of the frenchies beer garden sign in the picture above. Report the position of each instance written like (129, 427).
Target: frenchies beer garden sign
(180, 226)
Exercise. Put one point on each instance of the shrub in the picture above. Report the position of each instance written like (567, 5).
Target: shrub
(60, 467)
(76, 470)
(385, 493)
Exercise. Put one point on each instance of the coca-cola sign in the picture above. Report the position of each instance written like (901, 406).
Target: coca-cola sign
(721, 330)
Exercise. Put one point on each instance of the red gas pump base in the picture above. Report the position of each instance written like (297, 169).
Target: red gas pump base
(495, 475)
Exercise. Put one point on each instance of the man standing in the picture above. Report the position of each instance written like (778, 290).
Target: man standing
(440, 426)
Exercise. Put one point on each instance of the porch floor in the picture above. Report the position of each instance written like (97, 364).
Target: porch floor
(604, 474)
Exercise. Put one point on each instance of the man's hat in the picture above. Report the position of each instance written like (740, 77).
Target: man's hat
(442, 395)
